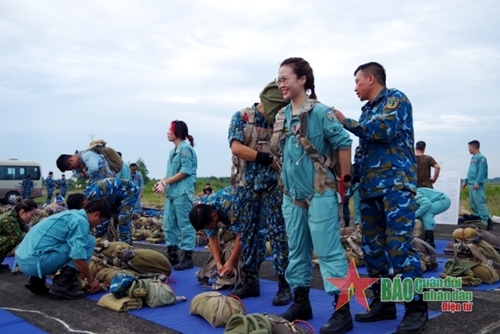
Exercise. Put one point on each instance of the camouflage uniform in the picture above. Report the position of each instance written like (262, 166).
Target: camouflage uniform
(386, 166)
(63, 187)
(222, 202)
(26, 187)
(122, 195)
(258, 204)
(12, 232)
(424, 164)
(50, 185)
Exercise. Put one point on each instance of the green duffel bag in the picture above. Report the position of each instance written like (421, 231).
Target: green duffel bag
(151, 261)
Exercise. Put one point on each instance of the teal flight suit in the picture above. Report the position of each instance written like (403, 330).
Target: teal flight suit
(179, 200)
(478, 174)
(430, 202)
(54, 242)
(315, 227)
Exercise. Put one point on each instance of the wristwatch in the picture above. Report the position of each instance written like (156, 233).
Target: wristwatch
(346, 178)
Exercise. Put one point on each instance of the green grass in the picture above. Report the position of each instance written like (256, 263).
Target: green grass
(492, 198)
(150, 199)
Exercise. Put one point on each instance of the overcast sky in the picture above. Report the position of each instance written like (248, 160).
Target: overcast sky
(123, 70)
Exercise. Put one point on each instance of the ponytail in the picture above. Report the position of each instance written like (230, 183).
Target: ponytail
(191, 139)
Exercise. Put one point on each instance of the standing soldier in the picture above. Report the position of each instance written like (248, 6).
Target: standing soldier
(138, 180)
(424, 164)
(26, 187)
(63, 185)
(258, 197)
(50, 185)
(476, 178)
(388, 184)
(122, 196)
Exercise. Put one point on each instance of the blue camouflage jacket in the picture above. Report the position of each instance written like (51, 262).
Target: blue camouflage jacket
(385, 160)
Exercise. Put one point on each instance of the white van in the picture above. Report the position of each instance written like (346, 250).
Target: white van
(12, 174)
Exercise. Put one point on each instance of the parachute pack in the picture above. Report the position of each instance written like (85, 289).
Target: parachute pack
(112, 157)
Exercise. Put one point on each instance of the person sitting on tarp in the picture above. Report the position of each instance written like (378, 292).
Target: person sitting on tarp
(122, 195)
(217, 208)
(430, 202)
(61, 240)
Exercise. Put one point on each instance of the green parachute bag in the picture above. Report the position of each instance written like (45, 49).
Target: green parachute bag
(248, 324)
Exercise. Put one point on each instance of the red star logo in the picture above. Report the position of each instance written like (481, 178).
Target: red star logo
(352, 284)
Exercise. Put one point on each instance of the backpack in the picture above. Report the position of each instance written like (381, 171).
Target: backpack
(322, 163)
(120, 283)
(426, 253)
(216, 308)
(208, 271)
(257, 323)
(112, 157)
(256, 138)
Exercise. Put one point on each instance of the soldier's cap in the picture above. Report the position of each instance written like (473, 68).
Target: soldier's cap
(272, 100)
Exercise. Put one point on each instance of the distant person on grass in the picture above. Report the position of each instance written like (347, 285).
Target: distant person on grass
(424, 164)
(477, 176)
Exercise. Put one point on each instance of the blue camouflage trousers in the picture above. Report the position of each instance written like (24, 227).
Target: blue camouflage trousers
(387, 228)
(260, 216)
(122, 196)
(50, 193)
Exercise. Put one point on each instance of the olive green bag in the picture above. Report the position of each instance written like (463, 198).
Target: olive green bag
(216, 308)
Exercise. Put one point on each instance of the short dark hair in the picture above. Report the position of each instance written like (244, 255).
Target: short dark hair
(375, 69)
(75, 201)
(99, 205)
(200, 216)
(63, 162)
(208, 190)
(420, 145)
(475, 143)
(133, 164)
(51, 173)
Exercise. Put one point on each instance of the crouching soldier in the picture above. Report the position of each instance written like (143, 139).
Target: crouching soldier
(61, 240)
(122, 195)
(219, 208)
(430, 202)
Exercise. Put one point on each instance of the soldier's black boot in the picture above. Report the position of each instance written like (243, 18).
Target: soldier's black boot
(341, 320)
(284, 295)
(65, 284)
(489, 225)
(415, 317)
(301, 308)
(187, 261)
(346, 222)
(37, 285)
(378, 310)
(429, 238)
(249, 285)
(172, 255)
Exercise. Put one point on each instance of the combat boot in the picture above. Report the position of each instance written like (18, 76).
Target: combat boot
(65, 284)
(341, 320)
(301, 308)
(37, 285)
(187, 261)
(489, 225)
(172, 255)
(284, 295)
(415, 317)
(249, 285)
(429, 238)
(378, 310)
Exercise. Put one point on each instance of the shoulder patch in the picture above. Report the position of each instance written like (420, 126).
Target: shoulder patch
(392, 103)
(330, 114)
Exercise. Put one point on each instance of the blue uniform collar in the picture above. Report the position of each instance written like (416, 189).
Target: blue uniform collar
(381, 95)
